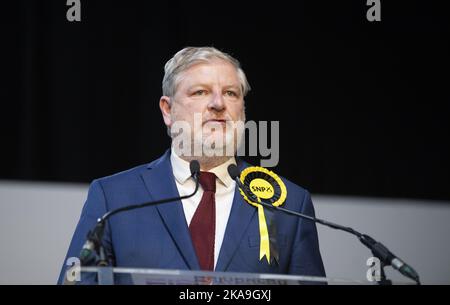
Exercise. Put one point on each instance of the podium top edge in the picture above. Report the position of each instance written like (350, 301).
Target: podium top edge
(216, 274)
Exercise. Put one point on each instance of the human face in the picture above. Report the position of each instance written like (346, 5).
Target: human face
(212, 90)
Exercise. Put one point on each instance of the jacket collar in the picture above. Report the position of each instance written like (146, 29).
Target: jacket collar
(160, 183)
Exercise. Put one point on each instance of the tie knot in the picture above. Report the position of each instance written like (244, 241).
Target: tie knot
(208, 181)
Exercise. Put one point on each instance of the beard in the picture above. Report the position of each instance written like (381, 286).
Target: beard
(222, 140)
(218, 141)
(203, 139)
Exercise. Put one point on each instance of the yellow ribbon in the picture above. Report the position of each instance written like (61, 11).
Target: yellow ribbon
(264, 245)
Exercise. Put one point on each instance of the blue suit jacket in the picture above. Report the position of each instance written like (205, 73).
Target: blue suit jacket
(158, 236)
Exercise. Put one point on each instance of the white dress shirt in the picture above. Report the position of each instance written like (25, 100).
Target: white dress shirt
(225, 187)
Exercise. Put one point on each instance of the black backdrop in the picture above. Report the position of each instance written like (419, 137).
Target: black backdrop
(363, 107)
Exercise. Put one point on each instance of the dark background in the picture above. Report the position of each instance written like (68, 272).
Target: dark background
(363, 107)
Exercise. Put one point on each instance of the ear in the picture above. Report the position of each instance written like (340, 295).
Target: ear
(165, 106)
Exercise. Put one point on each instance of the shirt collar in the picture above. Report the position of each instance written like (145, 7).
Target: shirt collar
(182, 172)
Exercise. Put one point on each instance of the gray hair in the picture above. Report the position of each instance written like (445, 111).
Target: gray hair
(190, 56)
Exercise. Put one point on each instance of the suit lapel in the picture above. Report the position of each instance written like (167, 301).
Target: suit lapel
(160, 183)
(241, 215)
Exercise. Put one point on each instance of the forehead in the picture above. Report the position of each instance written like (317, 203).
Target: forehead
(214, 71)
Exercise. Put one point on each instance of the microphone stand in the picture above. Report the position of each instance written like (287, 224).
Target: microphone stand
(378, 250)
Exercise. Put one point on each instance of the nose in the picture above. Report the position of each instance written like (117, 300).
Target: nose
(217, 102)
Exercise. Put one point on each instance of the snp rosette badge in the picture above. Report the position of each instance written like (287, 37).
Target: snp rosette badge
(266, 186)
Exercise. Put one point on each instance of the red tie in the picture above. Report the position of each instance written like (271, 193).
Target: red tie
(203, 223)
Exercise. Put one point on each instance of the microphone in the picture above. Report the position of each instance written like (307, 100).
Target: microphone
(93, 243)
(378, 250)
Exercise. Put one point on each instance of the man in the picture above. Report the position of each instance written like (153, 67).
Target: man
(203, 93)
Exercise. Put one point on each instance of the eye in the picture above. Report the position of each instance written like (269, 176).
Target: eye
(199, 92)
(231, 93)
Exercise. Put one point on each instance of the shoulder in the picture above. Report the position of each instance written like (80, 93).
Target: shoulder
(298, 198)
(126, 187)
(122, 176)
(128, 178)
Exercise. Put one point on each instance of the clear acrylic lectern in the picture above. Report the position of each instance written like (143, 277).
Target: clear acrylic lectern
(109, 275)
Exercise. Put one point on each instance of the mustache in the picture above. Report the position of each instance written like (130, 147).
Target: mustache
(225, 119)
